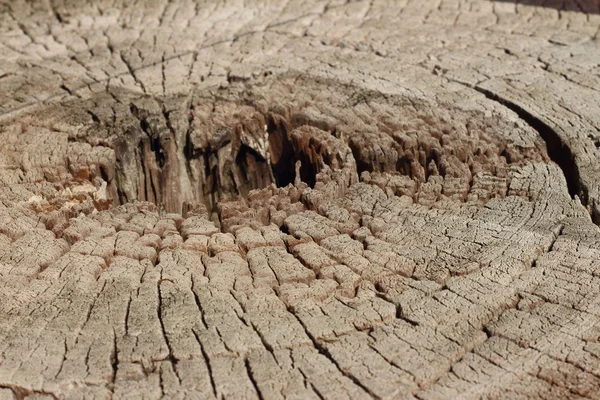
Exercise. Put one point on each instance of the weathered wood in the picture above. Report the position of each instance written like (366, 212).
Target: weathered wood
(384, 199)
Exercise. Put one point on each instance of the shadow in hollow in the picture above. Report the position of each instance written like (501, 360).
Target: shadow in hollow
(583, 6)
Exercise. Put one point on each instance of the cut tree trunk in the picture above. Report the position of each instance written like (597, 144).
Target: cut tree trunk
(299, 199)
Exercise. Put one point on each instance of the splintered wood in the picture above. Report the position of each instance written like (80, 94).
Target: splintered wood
(367, 199)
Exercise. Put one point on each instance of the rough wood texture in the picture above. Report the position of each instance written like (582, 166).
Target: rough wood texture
(299, 199)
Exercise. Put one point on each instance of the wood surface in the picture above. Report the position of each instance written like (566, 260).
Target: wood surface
(299, 199)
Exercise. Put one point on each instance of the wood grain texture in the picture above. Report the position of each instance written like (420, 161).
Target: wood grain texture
(299, 199)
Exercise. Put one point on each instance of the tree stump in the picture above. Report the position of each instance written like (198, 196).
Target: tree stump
(299, 199)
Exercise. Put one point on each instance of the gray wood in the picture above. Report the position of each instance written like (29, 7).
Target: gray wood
(264, 199)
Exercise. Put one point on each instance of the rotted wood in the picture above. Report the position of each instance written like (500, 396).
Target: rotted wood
(300, 199)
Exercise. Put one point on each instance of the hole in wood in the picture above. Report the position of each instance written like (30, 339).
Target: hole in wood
(221, 152)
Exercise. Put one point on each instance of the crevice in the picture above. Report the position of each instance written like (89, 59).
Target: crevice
(127, 311)
(198, 305)
(64, 359)
(280, 151)
(131, 71)
(207, 361)
(159, 311)
(251, 377)
(400, 315)
(556, 236)
(550, 246)
(558, 150)
(66, 89)
(306, 381)
(114, 358)
(95, 118)
(324, 352)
